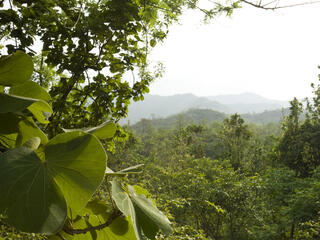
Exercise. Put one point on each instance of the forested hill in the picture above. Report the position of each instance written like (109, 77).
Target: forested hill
(207, 116)
(155, 106)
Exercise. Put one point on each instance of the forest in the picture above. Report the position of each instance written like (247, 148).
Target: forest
(70, 171)
(230, 179)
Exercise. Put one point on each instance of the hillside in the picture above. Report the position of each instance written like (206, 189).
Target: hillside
(155, 107)
(206, 116)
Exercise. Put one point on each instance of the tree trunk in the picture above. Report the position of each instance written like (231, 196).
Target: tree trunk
(292, 231)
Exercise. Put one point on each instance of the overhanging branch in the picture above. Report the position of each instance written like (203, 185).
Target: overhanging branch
(267, 6)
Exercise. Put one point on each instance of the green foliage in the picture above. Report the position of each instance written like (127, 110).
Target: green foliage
(192, 170)
(144, 216)
(91, 45)
(47, 184)
(15, 69)
(94, 214)
(298, 147)
(30, 89)
(234, 136)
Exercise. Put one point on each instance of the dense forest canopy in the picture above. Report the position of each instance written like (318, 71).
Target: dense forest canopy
(59, 104)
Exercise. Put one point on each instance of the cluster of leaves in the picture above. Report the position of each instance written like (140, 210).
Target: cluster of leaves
(92, 45)
(47, 185)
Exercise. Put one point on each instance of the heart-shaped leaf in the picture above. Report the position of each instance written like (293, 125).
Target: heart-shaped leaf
(15, 69)
(36, 192)
(30, 198)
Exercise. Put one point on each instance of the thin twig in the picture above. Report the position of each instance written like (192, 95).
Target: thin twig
(278, 7)
(78, 19)
(41, 70)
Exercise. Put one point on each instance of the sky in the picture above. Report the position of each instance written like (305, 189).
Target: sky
(271, 53)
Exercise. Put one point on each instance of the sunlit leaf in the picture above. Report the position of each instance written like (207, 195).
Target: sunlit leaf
(130, 170)
(144, 215)
(30, 89)
(28, 129)
(79, 161)
(8, 140)
(16, 104)
(104, 131)
(33, 143)
(15, 69)
(95, 214)
(24, 128)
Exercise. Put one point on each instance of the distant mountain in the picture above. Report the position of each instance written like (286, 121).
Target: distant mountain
(192, 116)
(206, 116)
(154, 106)
(268, 116)
(249, 103)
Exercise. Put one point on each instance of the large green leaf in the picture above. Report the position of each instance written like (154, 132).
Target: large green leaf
(77, 162)
(15, 69)
(29, 198)
(95, 214)
(144, 215)
(31, 90)
(16, 104)
(34, 191)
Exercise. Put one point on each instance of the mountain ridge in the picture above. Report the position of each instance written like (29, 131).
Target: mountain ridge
(156, 106)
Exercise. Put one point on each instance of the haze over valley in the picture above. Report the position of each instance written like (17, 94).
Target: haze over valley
(155, 106)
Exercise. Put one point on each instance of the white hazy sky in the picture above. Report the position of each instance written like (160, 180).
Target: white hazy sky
(271, 53)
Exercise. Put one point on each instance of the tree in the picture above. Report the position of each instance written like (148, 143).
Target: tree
(298, 147)
(234, 136)
(93, 43)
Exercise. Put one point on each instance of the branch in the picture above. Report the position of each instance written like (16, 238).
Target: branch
(116, 213)
(265, 6)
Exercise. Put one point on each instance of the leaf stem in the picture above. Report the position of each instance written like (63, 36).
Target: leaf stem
(116, 213)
